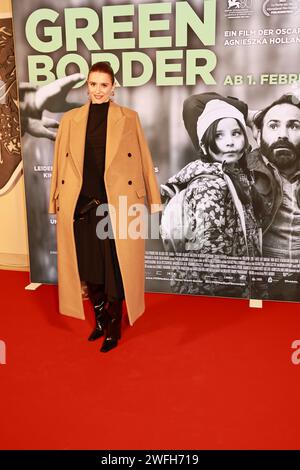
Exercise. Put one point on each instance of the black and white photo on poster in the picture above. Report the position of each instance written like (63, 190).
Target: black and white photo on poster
(239, 214)
(230, 226)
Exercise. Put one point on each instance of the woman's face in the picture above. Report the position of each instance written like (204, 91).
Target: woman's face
(230, 141)
(100, 87)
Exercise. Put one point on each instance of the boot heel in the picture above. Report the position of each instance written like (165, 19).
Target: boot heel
(113, 330)
(101, 321)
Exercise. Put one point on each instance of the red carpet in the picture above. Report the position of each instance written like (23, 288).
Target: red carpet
(193, 373)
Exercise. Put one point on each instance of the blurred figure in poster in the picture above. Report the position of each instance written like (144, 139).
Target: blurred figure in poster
(276, 169)
(53, 98)
(218, 188)
(214, 193)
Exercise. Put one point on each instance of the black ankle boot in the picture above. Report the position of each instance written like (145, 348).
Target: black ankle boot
(113, 330)
(101, 321)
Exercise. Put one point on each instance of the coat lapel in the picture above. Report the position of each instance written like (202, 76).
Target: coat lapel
(77, 136)
(115, 126)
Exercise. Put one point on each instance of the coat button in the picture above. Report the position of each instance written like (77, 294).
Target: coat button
(57, 209)
(67, 154)
(129, 154)
(129, 182)
(62, 181)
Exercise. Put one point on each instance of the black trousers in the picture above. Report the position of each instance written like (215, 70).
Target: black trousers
(97, 259)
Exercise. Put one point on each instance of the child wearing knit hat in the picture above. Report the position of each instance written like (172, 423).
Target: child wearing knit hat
(215, 191)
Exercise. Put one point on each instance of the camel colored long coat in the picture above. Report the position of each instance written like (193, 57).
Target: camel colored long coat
(128, 172)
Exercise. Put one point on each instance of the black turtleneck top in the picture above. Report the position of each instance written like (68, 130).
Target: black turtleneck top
(94, 154)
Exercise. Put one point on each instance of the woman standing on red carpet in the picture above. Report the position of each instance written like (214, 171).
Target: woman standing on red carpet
(100, 156)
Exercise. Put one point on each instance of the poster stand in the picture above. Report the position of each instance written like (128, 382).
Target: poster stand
(33, 286)
(255, 303)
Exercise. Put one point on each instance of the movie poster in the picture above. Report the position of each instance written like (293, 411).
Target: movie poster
(199, 73)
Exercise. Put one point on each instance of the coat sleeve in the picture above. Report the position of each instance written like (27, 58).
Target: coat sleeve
(152, 190)
(54, 178)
